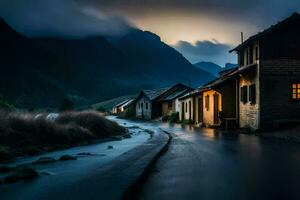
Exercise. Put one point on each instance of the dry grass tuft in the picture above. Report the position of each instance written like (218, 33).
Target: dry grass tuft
(28, 133)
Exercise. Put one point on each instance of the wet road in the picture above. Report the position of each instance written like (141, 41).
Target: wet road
(206, 164)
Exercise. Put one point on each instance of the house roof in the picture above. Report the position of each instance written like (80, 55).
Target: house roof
(122, 103)
(176, 94)
(153, 94)
(294, 16)
(190, 94)
(128, 103)
(228, 75)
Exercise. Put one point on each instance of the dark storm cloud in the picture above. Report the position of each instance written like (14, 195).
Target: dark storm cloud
(203, 48)
(265, 11)
(206, 51)
(60, 18)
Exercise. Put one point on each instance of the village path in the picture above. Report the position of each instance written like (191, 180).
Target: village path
(207, 164)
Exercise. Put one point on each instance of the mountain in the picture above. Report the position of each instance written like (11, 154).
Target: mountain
(210, 67)
(40, 72)
(230, 65)
(157, 63)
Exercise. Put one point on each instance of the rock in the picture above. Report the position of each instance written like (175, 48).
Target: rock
(5, 169)
(117, 138)
(110, 147)
(25, 173)
(44, 160)
(84, 154)
(67, 157)
(127, 136)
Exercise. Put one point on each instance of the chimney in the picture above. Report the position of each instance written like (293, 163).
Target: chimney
(242, 37)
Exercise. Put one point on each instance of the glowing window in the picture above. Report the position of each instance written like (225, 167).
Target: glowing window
(296, 90)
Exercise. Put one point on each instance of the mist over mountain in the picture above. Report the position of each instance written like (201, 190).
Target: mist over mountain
(40, 72)
(210, 67)
(213, 68)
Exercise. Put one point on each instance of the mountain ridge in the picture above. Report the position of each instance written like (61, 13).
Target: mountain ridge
(40, 72)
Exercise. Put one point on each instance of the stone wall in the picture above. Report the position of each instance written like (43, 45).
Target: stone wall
(276, 80)
(249, 113)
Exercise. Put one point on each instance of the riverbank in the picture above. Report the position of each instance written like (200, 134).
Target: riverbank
(23, 134)
(98, 171)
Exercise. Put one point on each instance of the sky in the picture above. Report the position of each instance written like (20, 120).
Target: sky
(201, 30)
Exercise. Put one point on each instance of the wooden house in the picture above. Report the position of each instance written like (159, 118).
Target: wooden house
(170, 100)
(269, 76)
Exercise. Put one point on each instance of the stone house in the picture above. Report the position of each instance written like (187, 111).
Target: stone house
(147, 104)
(269, 76)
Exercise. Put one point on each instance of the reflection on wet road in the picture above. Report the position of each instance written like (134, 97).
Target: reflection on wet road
(209, 164)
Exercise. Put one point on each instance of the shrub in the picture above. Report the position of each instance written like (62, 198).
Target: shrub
(95, 122)
(28, 133)
(173, 117)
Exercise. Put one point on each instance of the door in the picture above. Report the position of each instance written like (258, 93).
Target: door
(142, 106)
(182, 111)
(216, 108)
(190, 110)
(200, 110)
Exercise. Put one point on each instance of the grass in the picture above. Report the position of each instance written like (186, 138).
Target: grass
(29, 134)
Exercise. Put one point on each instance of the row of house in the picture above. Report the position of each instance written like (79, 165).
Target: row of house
(155, 103)
(263, 91)
(151, 104)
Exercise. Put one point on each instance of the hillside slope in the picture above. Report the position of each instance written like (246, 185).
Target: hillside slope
(40, 72)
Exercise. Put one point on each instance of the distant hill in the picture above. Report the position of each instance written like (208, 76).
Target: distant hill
(213, 68)
(210, 67)
(230, 65)
(40, 72)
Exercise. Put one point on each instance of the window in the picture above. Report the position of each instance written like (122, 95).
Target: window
(244, 94)
(142, 105)
(252, 94)
(256, 53)
(296, 91)
(241, 59)
(207, 102)
(186, 108)
(146, 106)
(247, 56)
(170, 105)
